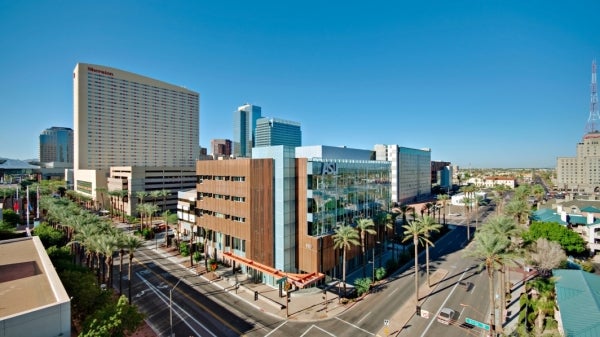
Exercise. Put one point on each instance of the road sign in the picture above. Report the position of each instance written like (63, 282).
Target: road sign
(281, 280)
(477, 324)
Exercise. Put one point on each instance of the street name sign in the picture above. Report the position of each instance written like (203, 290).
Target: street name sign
(477, 324)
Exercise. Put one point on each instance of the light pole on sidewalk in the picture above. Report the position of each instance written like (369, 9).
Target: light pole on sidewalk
(171, 306)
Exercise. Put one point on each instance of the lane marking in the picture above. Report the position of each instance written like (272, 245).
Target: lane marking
(354, 326)
(316, 327)
(272, 331)
(164, 299)
(392, 293)
(365, 316)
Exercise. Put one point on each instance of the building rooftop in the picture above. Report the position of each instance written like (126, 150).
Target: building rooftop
(578, 298)
(28, 280)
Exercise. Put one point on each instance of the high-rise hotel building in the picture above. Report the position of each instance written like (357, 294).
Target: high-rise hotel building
(582, 172)
(124, 119)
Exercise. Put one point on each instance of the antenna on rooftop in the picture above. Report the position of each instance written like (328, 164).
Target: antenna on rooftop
(594, 116)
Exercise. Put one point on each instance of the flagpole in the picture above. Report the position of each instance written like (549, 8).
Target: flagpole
(37, 214)
(28, 205)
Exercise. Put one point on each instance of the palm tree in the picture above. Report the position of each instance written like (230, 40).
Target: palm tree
(107, 244)
(365, 226)
(102, 191)
(414, 230)
(344, 238)
(518, 209)
(405, 209)
(428, 225)
(538, 192)
(504, 227)
(164, 194)
(490, 249)
(131, 243)
(443, 198)
(467, 203)
(140, 195)
(500, 191)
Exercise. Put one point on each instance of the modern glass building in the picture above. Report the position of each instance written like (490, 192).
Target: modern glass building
(56, 145)
(342, 190)
(274, 131)
(244, 125)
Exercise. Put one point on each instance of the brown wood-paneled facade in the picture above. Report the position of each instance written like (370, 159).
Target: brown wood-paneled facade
(235, 198)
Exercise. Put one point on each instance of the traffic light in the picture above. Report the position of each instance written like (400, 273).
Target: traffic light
(418, 310)
(256, 295)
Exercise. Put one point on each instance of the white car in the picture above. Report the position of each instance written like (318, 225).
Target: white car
(446, 316)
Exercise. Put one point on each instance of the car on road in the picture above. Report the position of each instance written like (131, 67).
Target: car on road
(446, 316)
(466, 285)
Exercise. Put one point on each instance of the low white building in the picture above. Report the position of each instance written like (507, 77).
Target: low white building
(457, 200)
(33, 300)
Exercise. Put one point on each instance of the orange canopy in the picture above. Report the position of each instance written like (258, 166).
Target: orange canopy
(299, 280)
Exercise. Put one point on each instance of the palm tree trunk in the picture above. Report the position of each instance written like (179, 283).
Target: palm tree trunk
(121, 253)
(344, 271)
(490, 271)
(427, 262)
(129, 276)
(415, 243)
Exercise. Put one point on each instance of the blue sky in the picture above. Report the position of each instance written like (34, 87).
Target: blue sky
(481, 83)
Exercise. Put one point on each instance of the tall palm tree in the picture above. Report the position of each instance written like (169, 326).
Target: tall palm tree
(164, 194)
(414, 230)
(428, 225)
(518, 209)
(344, 238)
(140, 195)
(538, 192)
(467, 201)
(500, 191)
(107, 244)
(443, 198)
(405, 209)
(131, 243)
(490, 249)
(365, 226)
(504, 227)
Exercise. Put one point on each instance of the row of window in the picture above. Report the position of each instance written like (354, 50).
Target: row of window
(205, 212)
(202, 195)
(201, 178)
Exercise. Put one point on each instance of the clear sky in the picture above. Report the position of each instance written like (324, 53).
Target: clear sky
(481, 83)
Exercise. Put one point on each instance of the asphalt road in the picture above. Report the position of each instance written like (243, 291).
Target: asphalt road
(205, 310)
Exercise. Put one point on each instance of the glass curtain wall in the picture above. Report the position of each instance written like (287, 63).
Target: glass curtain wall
(343, 190)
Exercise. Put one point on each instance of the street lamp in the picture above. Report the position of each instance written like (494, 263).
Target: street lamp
(171, 305)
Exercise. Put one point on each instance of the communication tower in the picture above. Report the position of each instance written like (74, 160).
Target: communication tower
(594, 116)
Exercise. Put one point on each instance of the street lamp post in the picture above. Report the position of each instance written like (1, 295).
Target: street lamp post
(171, 306)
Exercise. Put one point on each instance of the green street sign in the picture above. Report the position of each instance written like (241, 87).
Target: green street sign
(281, 280)
(477, 323)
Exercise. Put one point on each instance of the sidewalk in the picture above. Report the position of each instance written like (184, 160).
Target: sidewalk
(305, 304)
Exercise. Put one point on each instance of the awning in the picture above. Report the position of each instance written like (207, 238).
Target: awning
(299, 280)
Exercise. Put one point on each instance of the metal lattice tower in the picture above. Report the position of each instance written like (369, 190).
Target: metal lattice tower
(594, 116)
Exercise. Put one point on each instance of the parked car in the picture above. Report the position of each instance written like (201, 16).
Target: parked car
(446, 316)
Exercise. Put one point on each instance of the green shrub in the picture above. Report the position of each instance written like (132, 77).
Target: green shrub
(197, 256)
(50, 236)
(11, 217)
(551, 323)
(184, 249)
(362, 285)
(147, 233)
(380, 273)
